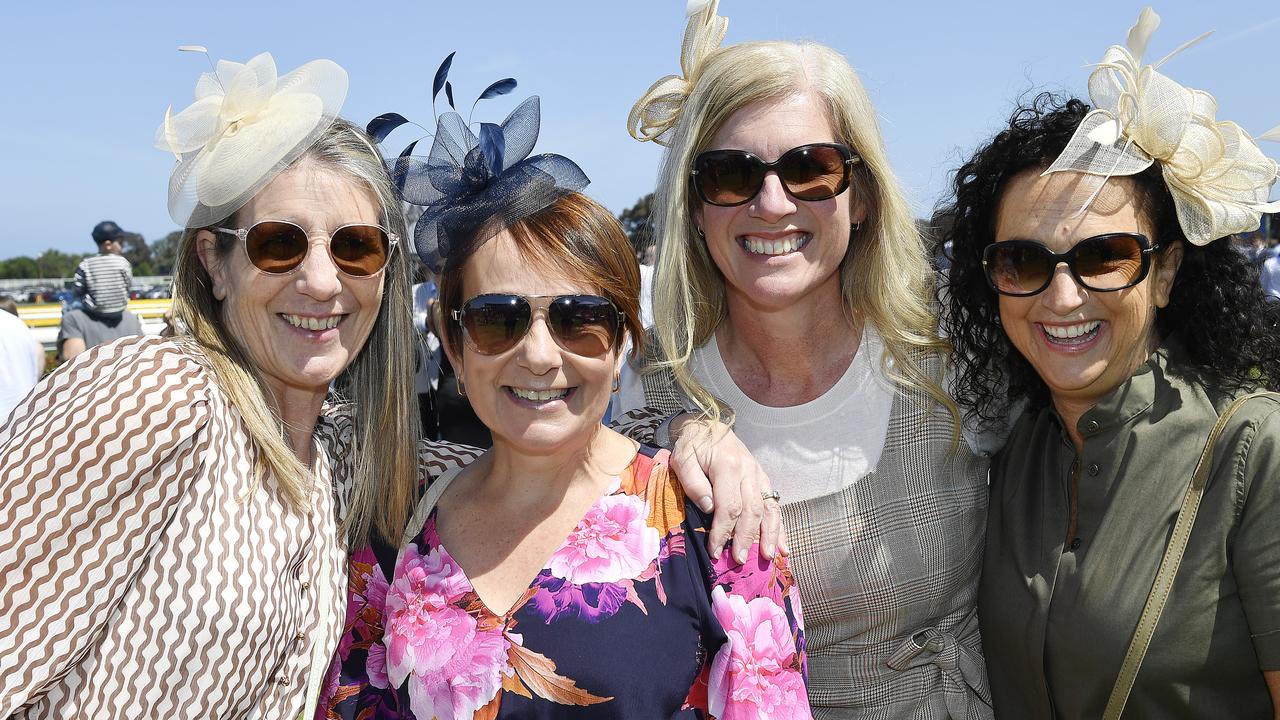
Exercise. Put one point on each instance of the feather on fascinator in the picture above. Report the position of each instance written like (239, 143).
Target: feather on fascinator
(245, 127)
(1219, 178)
(658, 110)
(471, 186)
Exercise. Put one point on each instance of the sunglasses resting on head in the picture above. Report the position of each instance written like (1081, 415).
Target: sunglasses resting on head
(278, 247)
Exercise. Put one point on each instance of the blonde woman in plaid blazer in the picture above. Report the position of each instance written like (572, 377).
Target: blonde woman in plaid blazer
(793, 295)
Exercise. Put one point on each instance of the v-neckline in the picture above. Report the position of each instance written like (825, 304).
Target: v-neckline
(614, 487)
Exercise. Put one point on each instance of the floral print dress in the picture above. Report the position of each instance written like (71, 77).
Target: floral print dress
(630, 618)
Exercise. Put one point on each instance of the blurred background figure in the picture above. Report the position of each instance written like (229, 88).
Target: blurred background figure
(103, 281)
(21, 358)
(427, 354)
(1270, 274)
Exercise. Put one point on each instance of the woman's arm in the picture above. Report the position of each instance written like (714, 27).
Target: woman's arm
(1256, 550)
(93, 465)
(760, 670)
(722, 477)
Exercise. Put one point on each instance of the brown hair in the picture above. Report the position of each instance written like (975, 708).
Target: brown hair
(574, 235)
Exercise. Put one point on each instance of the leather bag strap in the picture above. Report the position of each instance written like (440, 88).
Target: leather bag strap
(1169, 566)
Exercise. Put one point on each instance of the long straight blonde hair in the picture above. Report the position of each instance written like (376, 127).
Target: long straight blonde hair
(885, 276)
(379, 382)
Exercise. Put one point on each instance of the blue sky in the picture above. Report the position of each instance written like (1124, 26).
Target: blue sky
(89, 82)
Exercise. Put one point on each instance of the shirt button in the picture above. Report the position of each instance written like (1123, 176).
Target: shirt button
(1091, 426)
(1075, 544)
(1094, 469)
(306, 585)
(282, 680)
(299, 637)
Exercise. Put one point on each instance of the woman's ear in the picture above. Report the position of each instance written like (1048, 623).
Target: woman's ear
(207, 251)
(1165, 272)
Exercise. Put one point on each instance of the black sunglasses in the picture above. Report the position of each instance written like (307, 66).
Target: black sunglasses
(1103, 263)
(810, 172)
(586, 325)
(278, 247)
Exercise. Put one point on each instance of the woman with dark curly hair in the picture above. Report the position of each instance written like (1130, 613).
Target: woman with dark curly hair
(1094, 280)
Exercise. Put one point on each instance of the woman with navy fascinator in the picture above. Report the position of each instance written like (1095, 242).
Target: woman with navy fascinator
(562, 573)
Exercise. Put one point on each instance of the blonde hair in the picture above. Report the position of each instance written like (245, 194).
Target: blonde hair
(379, 381)
(885, 276)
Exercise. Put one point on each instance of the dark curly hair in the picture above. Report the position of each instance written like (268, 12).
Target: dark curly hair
(1217, 305)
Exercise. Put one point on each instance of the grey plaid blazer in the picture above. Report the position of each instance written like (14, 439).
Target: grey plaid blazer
(888, 570)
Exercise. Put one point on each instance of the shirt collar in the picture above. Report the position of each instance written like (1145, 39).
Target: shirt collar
(1135, 396)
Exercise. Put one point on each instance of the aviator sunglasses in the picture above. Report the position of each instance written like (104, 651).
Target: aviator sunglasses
(278, 247)
(585, 325)
(1103, 263)
(810, 172)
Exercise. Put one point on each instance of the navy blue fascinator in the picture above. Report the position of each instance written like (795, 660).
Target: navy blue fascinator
(471, 186)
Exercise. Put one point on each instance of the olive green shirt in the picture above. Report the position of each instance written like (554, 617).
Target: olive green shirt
(1057, 612)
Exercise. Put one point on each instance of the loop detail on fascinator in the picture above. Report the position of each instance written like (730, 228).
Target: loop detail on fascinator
(471, 185)
(658, 110)
(1219, 178)
(245, 127)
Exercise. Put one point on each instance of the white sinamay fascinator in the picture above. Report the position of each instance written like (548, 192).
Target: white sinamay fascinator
(245, 127)
(1219, 179)
(658, 110)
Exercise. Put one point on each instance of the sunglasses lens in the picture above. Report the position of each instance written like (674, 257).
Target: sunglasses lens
(495, 323)
(1109, 263)
(585, 325)
(815, 172)
(276, 247)
(728, 177)
(360, 250)
(1018, 268)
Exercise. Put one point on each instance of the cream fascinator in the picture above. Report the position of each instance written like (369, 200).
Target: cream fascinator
(245, 127)
(658, 110)
(1219, 179)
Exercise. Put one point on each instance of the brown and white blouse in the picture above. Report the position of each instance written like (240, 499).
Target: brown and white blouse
(139, 578)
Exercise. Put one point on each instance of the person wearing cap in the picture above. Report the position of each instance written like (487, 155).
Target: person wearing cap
(103, 282)
(1132, 560)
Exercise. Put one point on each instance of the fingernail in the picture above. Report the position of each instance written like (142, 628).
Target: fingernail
(715, 554)
(705, 503)
(768, 551)
(740, 556)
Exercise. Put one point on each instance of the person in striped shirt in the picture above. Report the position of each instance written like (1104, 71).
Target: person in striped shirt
(103, 280)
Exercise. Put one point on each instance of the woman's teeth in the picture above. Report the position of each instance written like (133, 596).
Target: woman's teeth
(782, 246)
(1072, 334)
(312, 323)
(539, 395)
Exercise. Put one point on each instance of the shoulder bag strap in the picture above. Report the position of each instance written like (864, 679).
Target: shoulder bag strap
(1168, 567)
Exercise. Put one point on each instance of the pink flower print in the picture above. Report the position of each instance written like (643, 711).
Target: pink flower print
(558, 598)
(467, 682)
(375, 666)
(612, 542)
(751, 677)
(422, 629)
(757, 577)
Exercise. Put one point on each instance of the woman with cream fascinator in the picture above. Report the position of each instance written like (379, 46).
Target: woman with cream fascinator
(793, 295)
(1132, 562)
(170, 546)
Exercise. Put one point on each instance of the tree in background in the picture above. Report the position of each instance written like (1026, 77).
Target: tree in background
(635, 222)
(135, 250)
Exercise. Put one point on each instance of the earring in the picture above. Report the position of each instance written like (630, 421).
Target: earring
(698, 229)
(617, 381)
(462, 387)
